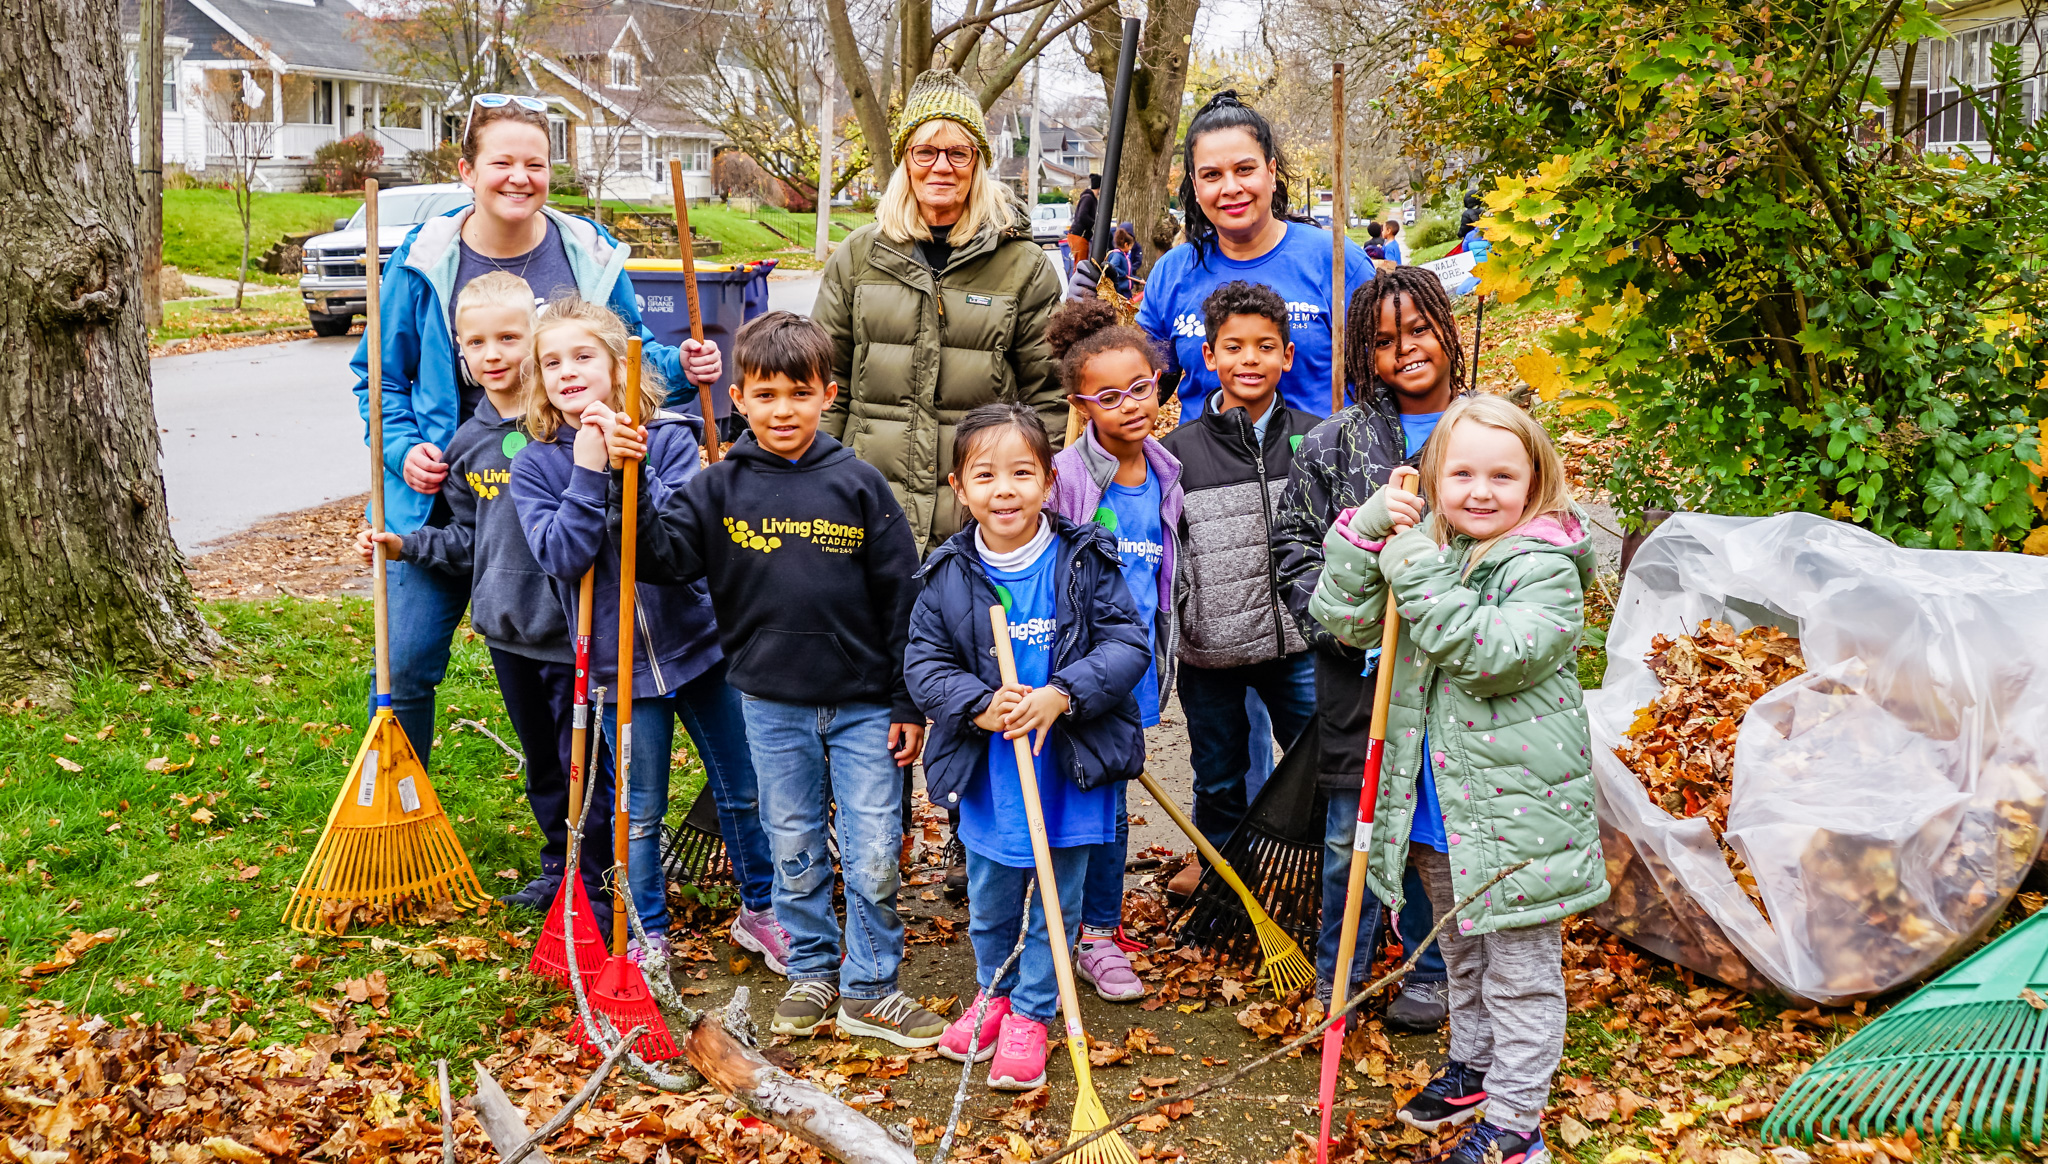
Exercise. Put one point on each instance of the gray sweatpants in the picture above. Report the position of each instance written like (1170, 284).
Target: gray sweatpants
(1507, 1002)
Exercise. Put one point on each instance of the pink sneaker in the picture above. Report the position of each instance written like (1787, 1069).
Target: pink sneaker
(1019, 1063)
(954, 1043)
(762, 934)
(1104, 965)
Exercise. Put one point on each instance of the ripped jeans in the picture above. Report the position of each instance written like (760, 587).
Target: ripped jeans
(794, 746)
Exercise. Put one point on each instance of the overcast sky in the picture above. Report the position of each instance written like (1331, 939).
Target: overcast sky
(1223, 25)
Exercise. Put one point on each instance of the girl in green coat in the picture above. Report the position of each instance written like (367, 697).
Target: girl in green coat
(1488, 757)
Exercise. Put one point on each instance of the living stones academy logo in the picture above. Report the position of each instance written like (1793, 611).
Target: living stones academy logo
(829, 536)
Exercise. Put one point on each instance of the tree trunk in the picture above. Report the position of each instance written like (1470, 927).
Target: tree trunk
(869, 107)
(1152, 125)
(89, 576)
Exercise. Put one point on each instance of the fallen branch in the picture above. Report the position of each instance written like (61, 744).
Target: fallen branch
(1306, 1038)
(974, 1032)
(797, 1106)
(447, 1114)
(569, 1109)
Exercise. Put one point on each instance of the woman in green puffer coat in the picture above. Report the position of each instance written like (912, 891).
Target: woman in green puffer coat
(937, 307)
(1488, 756)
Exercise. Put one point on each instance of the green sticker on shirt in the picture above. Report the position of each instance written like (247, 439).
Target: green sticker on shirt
(1106, 518)
(514, 441)
(1294, 444)
(1003, 596)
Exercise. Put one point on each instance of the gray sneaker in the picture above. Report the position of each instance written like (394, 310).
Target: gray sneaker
(895, 1016)
(804, 1005)
(1421, 1007)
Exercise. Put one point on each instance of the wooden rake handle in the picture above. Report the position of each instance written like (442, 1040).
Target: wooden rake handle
(629, 549)
(1202, 845)
(1041, 855)
(687, 242)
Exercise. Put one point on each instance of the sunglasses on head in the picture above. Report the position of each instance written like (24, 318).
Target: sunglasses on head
(499, 101)
(1140, 389)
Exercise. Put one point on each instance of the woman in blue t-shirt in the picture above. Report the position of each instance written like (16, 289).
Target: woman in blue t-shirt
(1235, 196)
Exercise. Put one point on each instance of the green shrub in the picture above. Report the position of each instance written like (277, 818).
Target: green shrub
(437, 164)
(1428, 231)
(1048, 196)
(345, 164)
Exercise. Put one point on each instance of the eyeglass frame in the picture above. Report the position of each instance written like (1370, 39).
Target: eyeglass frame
(530, 104)
(1151, 384)
(973, 152)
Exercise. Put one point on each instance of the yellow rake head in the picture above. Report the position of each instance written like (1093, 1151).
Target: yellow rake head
(1090, 1116)
(388, 849)
(1287, 968)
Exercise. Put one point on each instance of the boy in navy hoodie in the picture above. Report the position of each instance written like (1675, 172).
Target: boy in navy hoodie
(809, 561)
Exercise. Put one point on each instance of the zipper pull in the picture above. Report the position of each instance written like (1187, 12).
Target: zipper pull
(939, 297)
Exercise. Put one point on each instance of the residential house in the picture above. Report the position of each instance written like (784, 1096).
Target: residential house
(301, 66)
(1945, 70)
(621, 124)
(1065, 157)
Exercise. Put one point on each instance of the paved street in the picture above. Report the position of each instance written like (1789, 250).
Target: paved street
(252, 432)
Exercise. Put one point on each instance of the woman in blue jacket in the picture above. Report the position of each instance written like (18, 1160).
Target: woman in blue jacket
(427, 395)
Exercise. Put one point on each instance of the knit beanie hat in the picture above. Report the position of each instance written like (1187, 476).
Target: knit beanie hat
(940, 93)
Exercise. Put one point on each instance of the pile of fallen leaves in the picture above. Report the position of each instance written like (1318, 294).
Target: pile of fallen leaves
(306, 553)
(1682, 746)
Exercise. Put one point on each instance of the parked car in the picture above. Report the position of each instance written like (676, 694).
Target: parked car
(1408, 216)
(1050, 222)
(333, 280)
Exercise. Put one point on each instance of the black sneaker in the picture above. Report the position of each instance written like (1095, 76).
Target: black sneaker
(1456, 1095)
(539, 894)
(1486, 1144)
(956, 869)
(1420, 1008)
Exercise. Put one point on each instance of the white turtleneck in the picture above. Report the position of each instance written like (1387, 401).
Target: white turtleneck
(1019, 558)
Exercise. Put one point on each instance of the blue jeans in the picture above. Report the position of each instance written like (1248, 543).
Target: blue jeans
(1220, 731)
(1102, 895)
(425, 607)
(1414, 923)
(995, 901)
(654, 732)
(1339, 827)
(1260, 722)
(710, 711)
(795, 746)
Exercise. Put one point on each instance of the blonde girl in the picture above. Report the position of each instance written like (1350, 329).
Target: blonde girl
(1488, 756)
(567, 496)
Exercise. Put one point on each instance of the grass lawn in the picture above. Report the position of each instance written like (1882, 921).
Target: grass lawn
(182, 812)
(202, 234)
(261, 308)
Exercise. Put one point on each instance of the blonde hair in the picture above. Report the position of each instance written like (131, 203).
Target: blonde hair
(1549, 493)
(543, 419)
(900, 218)
(496, 289)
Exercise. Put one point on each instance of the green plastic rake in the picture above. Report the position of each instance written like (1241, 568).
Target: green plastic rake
(1969, 1051)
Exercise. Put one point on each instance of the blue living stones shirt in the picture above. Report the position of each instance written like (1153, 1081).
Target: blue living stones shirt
(992, 816)
(1131, 512)
(1428, 828)
(1299, 269)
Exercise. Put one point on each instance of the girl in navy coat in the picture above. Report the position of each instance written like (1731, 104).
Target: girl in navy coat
(568, 489)
(1080, 652)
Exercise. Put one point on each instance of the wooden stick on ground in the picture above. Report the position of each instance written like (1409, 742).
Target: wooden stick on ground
(447, 1113)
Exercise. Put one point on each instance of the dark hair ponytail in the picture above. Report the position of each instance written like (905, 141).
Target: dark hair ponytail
(1225, 111)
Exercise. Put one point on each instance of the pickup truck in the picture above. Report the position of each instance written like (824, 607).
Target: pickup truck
(333, 280)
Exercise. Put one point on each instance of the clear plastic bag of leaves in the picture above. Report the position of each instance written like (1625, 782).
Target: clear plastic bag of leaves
(1888, 801)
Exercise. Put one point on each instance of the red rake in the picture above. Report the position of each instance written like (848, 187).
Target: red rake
(1361, 846)
(550, 954)
(621, 994)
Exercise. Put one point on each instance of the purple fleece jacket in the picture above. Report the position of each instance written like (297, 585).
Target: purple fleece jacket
(1083, 471)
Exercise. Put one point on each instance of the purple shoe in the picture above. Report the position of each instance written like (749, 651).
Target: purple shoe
(1104, 965)
(762, 934)
(638, 954)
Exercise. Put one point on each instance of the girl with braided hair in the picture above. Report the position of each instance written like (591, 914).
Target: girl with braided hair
(1405, 363)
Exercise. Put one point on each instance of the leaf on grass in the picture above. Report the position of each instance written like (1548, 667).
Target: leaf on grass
(1598, 1107)
(67, 765)
(68, 953)
(1572, 1132)
(148, 881)
(249, 873)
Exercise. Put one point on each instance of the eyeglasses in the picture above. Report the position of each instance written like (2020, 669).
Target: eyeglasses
(1140, 389)
(499, 101)
(928, 155)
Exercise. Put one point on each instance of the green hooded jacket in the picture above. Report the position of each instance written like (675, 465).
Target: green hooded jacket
(1487, 664)
(914, 351)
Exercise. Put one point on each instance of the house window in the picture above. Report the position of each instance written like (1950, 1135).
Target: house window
(170, 81)
(558, 140)
(1954, 68)
(625, 71)
(630, 153)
